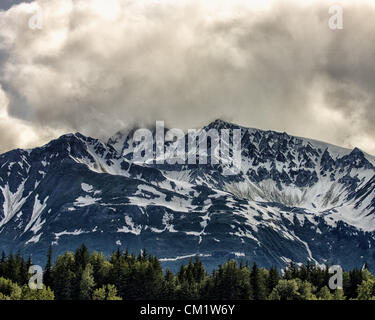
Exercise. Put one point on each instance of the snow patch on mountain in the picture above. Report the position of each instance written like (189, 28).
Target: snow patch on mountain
(200, 255)
(38, 208)
(130, 227)
(13, 202)
(76, 232)
(85, 201)
(34, 239)
(86, 187)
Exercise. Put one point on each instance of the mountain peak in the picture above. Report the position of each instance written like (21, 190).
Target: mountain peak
(357, 151)
(221, 124)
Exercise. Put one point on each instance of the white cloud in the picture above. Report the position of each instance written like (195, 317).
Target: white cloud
(97, 66)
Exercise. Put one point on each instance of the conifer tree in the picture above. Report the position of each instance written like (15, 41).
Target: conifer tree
(63, 277)
(273, 279)
(87, 283)
(169, 286)
(47, 272)
(199, 271)
(2, 264)
(24, 272)
(257, 283)
(82, 257)
(12, 268)
(355, 279)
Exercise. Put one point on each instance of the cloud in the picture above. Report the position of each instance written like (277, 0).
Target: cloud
(17, 133)
(98, 66)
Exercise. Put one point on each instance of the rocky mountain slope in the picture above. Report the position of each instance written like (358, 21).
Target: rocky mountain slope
(294, 199)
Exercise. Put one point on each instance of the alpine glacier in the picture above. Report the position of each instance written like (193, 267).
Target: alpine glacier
(295, 199)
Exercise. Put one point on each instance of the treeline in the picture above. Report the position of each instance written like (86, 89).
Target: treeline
(84, 276)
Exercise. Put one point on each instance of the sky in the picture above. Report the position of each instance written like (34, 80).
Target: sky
(99, 66)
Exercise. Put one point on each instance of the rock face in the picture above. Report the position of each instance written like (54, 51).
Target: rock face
(294, 199)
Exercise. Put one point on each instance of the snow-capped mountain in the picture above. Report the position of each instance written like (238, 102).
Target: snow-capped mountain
(294, 199)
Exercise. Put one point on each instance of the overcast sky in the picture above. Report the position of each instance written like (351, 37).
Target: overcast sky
(98, 66)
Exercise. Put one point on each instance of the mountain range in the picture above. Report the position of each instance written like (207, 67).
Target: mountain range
(295, 199)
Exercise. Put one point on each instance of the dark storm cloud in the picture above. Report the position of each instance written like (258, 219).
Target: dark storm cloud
(98, 68)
